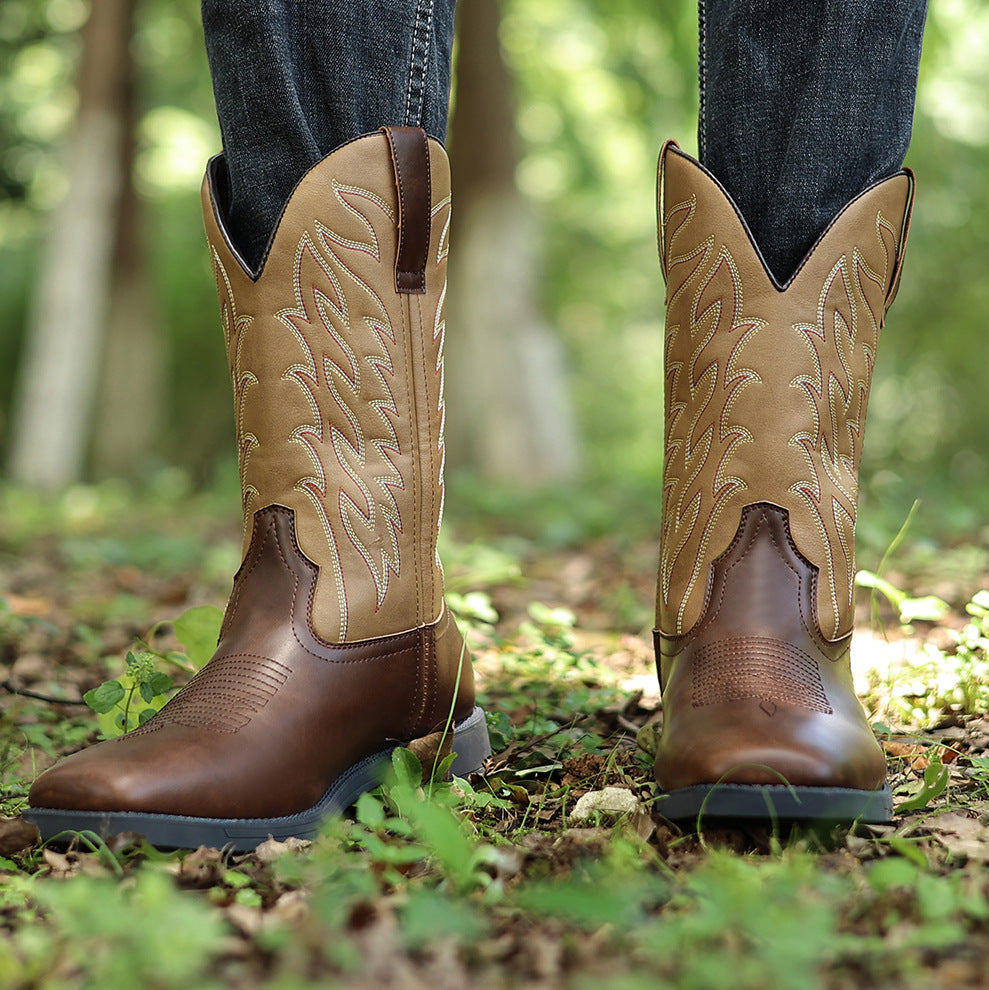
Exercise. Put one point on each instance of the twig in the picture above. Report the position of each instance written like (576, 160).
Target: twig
(23, 692)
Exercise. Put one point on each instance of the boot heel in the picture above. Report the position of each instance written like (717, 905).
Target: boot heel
(470, 743)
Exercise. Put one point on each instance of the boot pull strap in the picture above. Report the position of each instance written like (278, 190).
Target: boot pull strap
(410, 158)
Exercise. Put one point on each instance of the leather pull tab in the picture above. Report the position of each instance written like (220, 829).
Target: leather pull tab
(410, 158)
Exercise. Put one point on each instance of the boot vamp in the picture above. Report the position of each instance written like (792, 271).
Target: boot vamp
(249, 737)
(277, 714)
(754, 693)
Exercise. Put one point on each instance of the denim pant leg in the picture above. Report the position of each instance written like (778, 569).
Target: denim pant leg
(294, 79)
(803, 105)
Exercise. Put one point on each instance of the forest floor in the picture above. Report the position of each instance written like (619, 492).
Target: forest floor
(555, 867)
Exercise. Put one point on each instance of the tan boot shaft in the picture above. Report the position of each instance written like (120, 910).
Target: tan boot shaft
(337, 382)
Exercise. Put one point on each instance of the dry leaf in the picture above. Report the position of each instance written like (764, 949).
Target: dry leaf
(16, 835)
(249, 920)
(961, 836)
(59, 864)
(35, 608)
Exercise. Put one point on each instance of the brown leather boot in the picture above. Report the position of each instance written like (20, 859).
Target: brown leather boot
(336, 646)
(766, 392)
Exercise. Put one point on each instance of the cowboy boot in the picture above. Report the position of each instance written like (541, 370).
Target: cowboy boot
(766, 392)
(336, 646)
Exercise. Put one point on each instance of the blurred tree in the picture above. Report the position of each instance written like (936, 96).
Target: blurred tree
(594, 88)
(130, 397)
(53, 410)
(510, 415)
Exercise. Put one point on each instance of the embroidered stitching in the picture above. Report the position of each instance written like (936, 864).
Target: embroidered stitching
(709, 371)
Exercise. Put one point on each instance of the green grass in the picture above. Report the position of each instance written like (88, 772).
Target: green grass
(495, 881)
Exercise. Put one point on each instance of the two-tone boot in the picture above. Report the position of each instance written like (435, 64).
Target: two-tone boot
(766, 387)
(336, 646)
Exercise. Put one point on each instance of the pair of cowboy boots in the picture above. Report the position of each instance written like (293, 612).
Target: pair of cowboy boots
(336, 645)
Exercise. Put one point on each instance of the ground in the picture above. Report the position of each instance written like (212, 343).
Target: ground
(552, 869)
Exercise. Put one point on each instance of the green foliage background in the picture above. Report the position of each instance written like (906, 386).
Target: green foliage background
(601, 83)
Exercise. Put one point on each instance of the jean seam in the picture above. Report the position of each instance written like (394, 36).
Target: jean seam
(417, 77)
(701, 79)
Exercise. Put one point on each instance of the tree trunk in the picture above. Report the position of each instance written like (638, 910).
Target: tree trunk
(54, 402)
(131, 397)
(510, 416)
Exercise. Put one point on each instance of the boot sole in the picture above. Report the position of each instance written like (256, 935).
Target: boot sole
(470, 743)
(723, 803)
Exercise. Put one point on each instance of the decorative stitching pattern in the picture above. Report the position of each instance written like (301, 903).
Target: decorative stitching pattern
(417, 76)
(333, 430)
(441, 210)
(345, 338)
(353, 379)
(224, 696)
(235, 329)
(844, 340)
(730, 371)
(757, 668)
(701, 390)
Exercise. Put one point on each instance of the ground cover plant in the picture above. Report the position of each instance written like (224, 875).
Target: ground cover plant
(552, 869)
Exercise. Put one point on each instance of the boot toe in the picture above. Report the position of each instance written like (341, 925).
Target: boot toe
(80, 784)
(814, 751)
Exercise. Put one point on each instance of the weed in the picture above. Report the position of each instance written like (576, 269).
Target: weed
(125, 702)
(936, 681)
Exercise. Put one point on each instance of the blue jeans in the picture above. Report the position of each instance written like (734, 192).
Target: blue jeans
(803, 104)
(294, 79)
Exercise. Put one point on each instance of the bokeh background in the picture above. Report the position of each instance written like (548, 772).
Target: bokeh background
(111, 360)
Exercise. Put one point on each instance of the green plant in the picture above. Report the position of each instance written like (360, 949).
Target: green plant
(129, 700)
(978, 771)
(934, 784)
(933, 680)
(929, 608)
(141, 933)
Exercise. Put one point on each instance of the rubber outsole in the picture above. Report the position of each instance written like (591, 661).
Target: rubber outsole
(775, 803)
(470, 743)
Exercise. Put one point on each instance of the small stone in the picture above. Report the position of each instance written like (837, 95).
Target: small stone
(610, 800)
(272, 849)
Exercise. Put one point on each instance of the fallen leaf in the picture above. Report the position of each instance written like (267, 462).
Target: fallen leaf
(204, 867)
(16, 835)
(59, 864)
(249, 920)
(961, 835)
(911, 753)
(292, 907)
(35, 608)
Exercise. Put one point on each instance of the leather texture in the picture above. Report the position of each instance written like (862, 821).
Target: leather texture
(338, 386)
(410, 159)
(335, 644)
(754, 694)
(277, 714)
(766, 386)
(766, 394)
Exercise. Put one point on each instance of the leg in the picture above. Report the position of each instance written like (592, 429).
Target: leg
(336, 644)
(294, 80)
(804, 105)
(766, 393)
